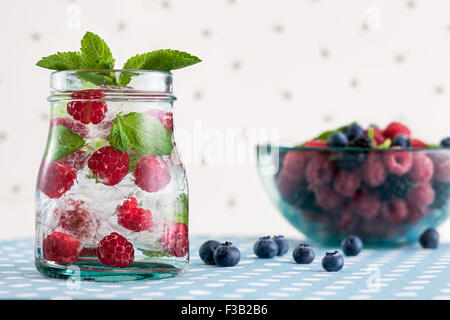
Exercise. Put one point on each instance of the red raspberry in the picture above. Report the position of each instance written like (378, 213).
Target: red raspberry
(175, 239)
(61, 248)
(316, 144)
(378, 136)
(74, 126)
(88, 252)
(115, 251)
(441, 163)
(77, 160)
(88, 111)
(76, 220)
(415, 213)
(328, 199)
(372, 227)
(109, 165)
(133, 218)
(347, 221)
(319, 170)
(365, 204)
(166, 118)
(394, 211)
(373, 170)
(421, 196)
(55, 179)
(151, 174)
(396, 128)
(347, 182)
(292, 173)
(416, 143)
(398, 162)
(422, 169)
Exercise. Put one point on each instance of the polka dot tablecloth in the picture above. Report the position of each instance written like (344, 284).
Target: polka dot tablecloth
(399, 273)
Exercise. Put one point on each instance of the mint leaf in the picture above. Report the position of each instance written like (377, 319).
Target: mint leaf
(140, 132)
(58, 110)
(62, 142)
(135, 156)
(95, 52)
(62, 61)
(181, 208)
(385, 145)
(98, 78)
(434, 146)
(371, 132)
(155, 253)
(161, 60)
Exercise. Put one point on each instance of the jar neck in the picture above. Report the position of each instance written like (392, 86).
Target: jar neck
(112, 85)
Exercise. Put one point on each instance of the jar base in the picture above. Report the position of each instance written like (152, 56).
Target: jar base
(86, 270)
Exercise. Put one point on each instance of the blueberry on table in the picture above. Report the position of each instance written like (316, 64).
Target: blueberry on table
(206, 251)
(429, 239)
(445, 142)
(283, 245)
(352, 246)
(227, 255)
(353, 131)
(337, 139)
(265, 248)
(402, 141)
(303, 254)
(333, 261)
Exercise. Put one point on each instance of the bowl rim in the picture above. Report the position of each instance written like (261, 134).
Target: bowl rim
(303, 148)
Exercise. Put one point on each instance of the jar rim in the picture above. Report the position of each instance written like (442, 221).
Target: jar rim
(112, 70)
(113, 82)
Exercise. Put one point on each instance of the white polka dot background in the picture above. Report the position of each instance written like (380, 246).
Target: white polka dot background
(296, 66)
(400, 273)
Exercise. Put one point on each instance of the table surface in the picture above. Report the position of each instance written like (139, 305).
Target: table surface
(399, 273)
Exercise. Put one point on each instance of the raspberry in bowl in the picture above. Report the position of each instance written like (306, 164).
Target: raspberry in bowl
(380, 185)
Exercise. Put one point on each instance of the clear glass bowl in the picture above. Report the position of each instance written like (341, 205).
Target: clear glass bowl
(385, 196)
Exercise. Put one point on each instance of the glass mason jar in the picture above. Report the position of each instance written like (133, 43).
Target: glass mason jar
(112, 194)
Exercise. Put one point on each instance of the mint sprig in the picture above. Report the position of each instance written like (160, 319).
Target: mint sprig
(95, 54)
(140, 132)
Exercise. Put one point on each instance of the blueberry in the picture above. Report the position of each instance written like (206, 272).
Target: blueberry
(446, 142)
(429, 239)
(265, 247)
(352, 246)
(303, 254)
(206, 251)
(337, 139)
(402, 141)
(333, 261)
(226, 255)
(353, 131)
(283, 245)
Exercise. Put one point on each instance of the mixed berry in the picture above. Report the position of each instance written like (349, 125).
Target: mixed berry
(351, 246)
(265, 248)
(332, 261)
(371, 182)
(89, 143)
(303, 254)
(225, 254)
(429, 239)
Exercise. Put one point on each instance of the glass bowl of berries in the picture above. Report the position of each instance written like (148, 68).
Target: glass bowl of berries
(382, 185)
